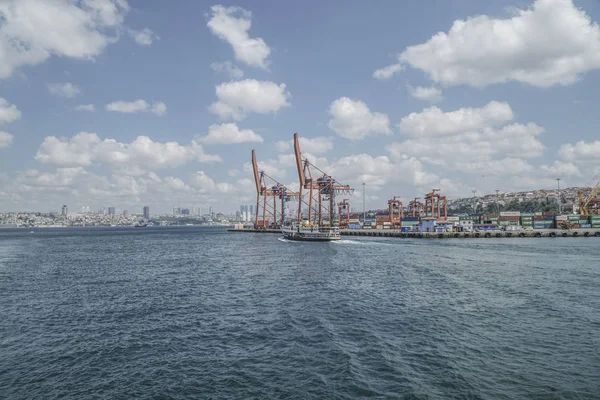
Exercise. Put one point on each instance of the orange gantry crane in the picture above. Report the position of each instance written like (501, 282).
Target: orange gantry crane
(268, 192)
(344, 213)
(434, 203)
(415, 207)
(396, 211)
(316, 196)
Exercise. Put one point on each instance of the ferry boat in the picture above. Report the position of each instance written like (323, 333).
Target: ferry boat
(310, 233)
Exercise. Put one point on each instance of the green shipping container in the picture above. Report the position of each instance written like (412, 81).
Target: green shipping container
(573, 217)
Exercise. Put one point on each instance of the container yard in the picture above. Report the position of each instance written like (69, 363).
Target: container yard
(317, 207)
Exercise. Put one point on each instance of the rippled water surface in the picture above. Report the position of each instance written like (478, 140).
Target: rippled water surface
(201, 313)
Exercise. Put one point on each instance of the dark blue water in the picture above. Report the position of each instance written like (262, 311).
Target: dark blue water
(188, 313)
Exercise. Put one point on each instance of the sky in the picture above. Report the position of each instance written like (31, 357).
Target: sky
(117, 103)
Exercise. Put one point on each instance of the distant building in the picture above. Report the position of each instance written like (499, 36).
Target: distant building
(64, 210)
(238, 215)
(125, 213)
(111, 211)
(251, 210)
(176, 210)
(146, 212)
(185, 211)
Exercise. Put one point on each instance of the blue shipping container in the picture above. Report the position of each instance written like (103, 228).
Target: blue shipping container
(405, 229)
(410, 218)
(585, 226)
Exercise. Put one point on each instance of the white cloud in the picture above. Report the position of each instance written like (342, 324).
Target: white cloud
(434, 122)
(143, 37)
(134, 158)
(30, 34)
(159, 109)
(551, 43)
(85, 107)
(66, 89)
(227, 66)
(34, 190)
(6, 139)
(8, 112)
(581, 151)
(430, 94)
(561, 169)
(237, 99)
(128, 106)
(474, 141)
(352, 119)
(232, 25)
(230, 134)
(77, 151)
(317, 145)
(380, 170)
(139, 105)
(387, 72)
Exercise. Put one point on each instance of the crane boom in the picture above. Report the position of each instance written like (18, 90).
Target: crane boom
(255, 169)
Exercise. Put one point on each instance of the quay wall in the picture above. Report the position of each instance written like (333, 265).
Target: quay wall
(554, 233)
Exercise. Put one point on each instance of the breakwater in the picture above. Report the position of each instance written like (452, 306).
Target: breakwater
(554, 233)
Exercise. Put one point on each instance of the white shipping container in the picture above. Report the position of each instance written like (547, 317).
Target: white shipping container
(379, 226)
(386, 227)
(562, 218)
(510, 213)
(453, 219)
(387, 223)
(513, 227)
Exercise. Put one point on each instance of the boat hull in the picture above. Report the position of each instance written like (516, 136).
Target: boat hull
(308, 236)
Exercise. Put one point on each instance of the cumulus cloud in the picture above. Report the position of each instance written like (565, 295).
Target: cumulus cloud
(430, 94)
(317, 145)
(233, 71)
(239, 98)
(230, 134)
(581, 151)
(130, 107)
(159, 109)
(434, 122)
(352, 119)
(551, 43)
(6, 139)
(387, 72)
(34, 189)
(66, 89)
(30, 34)
(85, 107)
(8, 112)
(232, 25)
(380, 170)
(143, 37)
(562, 169)
(470, 140)
(140, 155)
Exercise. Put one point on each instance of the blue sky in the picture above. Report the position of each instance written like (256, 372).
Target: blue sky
(485, 95)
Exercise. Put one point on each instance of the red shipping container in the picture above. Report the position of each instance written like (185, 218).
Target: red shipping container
(511, 218)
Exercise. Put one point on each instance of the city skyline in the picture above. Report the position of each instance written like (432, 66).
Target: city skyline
(99, 113)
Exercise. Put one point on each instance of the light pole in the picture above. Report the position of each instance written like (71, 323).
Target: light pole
(558, 195)
(497, 203)
(364, 205)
